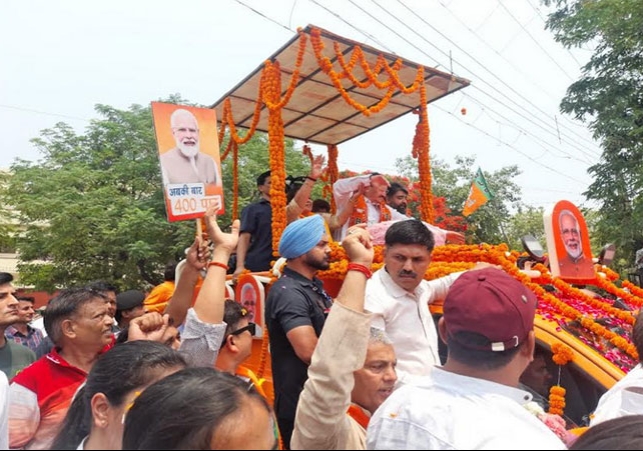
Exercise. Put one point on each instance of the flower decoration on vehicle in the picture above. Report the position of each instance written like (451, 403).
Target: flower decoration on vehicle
(593, 320)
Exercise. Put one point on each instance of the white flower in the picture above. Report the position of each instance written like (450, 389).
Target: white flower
(534, 408)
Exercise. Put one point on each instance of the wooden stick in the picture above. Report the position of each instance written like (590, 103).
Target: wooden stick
(199, 229)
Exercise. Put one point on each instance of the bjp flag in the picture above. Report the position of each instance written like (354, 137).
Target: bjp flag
(479, 194)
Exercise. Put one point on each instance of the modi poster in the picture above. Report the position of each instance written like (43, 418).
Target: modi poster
(188, 147)
(570, 255)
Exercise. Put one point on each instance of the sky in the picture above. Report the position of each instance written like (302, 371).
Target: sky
(59, 59)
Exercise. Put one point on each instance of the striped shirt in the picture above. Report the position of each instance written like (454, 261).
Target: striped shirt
(33, 338)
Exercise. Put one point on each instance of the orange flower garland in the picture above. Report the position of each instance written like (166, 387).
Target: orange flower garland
(275, 101)
(562, 355)
(557, 400)
(235, 181)
(271, 78)
(332, 174)
(634, 289)
(421, 146)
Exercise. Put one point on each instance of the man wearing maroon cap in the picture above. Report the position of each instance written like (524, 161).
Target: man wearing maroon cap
(472, 402)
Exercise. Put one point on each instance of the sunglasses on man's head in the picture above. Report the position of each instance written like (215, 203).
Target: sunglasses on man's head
(251, 327)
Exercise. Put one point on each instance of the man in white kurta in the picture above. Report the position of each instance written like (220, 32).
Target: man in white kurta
(406, 318)
(472, 402)
(399, 297)
(367, 193)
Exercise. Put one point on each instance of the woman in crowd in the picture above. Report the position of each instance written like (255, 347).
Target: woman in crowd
(95, 418)
(200, 408)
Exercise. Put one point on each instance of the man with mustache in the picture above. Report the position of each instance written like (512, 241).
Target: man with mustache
(79, 324)
(296, 309)
(573, 263)
(185, 163)
(353, 366)
(398, 297)
(474, 400)
(365, 197)
(13, 356)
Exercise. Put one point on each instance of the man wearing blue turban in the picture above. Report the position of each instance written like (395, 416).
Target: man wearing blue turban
(296, 309)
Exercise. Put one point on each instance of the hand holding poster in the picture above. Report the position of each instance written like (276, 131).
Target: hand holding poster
(188, 148)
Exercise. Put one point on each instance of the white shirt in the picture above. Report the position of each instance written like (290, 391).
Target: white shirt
(39, 323)
(618, 401)
(344, 188)
(407, 320)
(449, 411)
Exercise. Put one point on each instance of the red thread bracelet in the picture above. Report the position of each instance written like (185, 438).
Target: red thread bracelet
(219, 264)
(361, 268)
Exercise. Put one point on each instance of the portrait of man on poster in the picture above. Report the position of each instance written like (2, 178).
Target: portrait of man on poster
(574, 263)
(186, 163)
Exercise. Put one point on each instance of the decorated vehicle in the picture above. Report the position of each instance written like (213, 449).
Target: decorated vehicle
(325, 89)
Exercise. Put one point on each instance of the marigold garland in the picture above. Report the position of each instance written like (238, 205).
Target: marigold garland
(332, 174)
(562, 354)
(446, 259)
(634, 289)
(557, 400)
(235, 181)
(453, 258)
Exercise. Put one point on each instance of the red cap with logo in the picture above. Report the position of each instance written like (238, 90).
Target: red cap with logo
(491, 303)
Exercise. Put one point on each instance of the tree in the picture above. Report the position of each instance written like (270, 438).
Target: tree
(526, 221)
(609, 97)
(92, 207)
(254, 159)
(8, 222)
(488, 222)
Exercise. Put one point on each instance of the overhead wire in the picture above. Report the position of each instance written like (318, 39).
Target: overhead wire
(524, 154)
(572, 144)
(352, 25)
(525, 76)
(476, 128)
(494, 75)
(537, 11)
(45, 113)
(263, 15)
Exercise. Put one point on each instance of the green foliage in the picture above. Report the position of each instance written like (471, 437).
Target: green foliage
(526, 221)
(608, 95)
(488, 222)
(254, 159)
(92, 208)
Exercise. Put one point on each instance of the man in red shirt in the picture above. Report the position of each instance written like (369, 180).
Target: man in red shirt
(79, 324)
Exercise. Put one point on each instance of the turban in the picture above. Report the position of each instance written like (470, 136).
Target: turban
(301, 236)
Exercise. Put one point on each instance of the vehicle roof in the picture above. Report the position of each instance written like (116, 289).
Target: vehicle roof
(317, 112)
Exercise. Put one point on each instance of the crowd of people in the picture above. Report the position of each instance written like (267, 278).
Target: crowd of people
(126, 370)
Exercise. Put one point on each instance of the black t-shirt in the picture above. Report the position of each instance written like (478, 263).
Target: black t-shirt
(256, 219)
(292, 301)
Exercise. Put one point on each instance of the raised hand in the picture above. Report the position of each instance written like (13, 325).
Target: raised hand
(197, 255)
(151, 326)
(358, 245)
(221, 240)
(317, 166)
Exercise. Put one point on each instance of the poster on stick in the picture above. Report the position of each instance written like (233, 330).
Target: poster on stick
(188, 148)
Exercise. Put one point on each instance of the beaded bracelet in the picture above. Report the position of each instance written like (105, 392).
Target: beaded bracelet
(361, 268)
(218, 264)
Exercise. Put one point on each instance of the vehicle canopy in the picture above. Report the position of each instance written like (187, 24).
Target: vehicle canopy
(325, 89)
